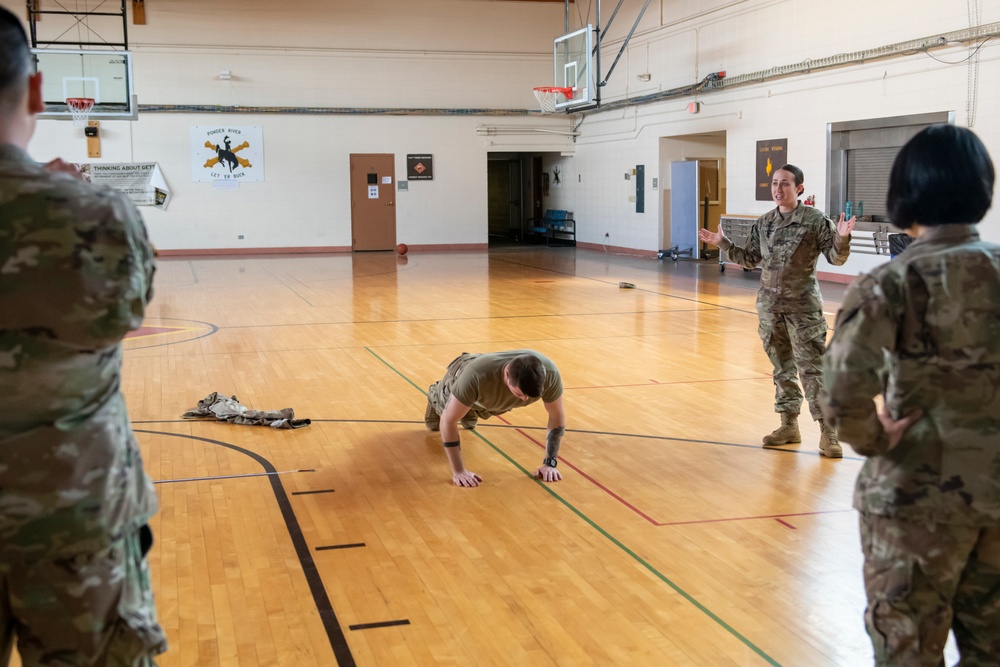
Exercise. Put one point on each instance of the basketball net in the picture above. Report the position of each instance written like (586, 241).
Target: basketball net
(79, 108)
(548, 95)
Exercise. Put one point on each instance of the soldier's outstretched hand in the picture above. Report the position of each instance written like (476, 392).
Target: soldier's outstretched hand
(466, 478)
(845, 226)
(706, 236)
(548, 474)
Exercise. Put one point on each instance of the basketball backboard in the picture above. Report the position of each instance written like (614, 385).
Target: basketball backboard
(104, 76)
(574, 55)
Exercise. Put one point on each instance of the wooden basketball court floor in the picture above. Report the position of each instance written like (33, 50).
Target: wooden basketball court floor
(673, 539)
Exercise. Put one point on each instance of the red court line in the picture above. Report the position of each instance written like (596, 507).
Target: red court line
(786, 524)
(656, 382)
(667, 523)
(588, 478)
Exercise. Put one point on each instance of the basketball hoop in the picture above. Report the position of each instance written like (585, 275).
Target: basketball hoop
(80, 108)
(547, 95)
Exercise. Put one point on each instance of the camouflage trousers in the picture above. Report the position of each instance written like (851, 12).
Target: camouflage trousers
(795, 342)
(923, 580)
(439, 392)
(87, 609)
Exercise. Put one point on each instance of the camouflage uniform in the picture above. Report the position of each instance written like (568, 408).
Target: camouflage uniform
(75, 275)
(790, 308)
(924, 331)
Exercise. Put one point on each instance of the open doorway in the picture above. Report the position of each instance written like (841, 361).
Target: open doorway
(705, 190)
(504, 199)
(521, 187)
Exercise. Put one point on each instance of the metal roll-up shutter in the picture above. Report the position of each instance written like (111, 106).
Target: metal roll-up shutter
(868, 178)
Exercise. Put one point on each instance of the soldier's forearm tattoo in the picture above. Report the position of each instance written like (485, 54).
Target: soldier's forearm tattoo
(552, 442)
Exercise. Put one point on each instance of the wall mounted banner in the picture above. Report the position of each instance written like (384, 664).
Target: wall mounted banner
(772, 154)
(223, 153)
(420, 167)
(142, 182)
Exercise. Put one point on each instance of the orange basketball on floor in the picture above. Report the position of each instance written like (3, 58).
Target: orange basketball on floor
(401, 249)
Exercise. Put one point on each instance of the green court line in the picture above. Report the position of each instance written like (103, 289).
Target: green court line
(389, 366)
(659, 575)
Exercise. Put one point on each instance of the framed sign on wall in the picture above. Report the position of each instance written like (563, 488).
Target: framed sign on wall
(771, 155)
(420, 167)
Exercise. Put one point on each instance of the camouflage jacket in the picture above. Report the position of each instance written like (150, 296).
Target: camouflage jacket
(75, 276)
(924, 331)
(788, 256)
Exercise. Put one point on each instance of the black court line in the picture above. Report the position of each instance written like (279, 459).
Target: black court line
(205, 479)
(287, 286)
(382, 624)
(214, 329)
(309, 493)
(174, 259)
(641, 436)
(335, 633)
(342, 546)
(804, 452)
(194, 271)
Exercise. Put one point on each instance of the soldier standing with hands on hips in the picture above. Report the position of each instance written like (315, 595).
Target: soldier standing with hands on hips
(923, 332)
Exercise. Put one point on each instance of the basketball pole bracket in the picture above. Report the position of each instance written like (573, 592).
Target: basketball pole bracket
(93, 134)
(600, 38)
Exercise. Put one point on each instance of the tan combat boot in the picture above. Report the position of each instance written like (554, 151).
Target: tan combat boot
(432, 420)
(828, 445)
(787, 433)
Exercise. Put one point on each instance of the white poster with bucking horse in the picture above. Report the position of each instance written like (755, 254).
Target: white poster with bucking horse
(226, 153)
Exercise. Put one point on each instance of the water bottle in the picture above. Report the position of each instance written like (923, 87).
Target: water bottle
(847, 210)
(861, 209)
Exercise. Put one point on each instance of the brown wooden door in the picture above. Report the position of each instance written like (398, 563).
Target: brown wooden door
(536, 188)
(373, 201)
(504, 197)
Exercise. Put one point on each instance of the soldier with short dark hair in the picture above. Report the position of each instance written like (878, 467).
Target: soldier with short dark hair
(480, 386)
(923, 331)
(75, 276)
(786, 243)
